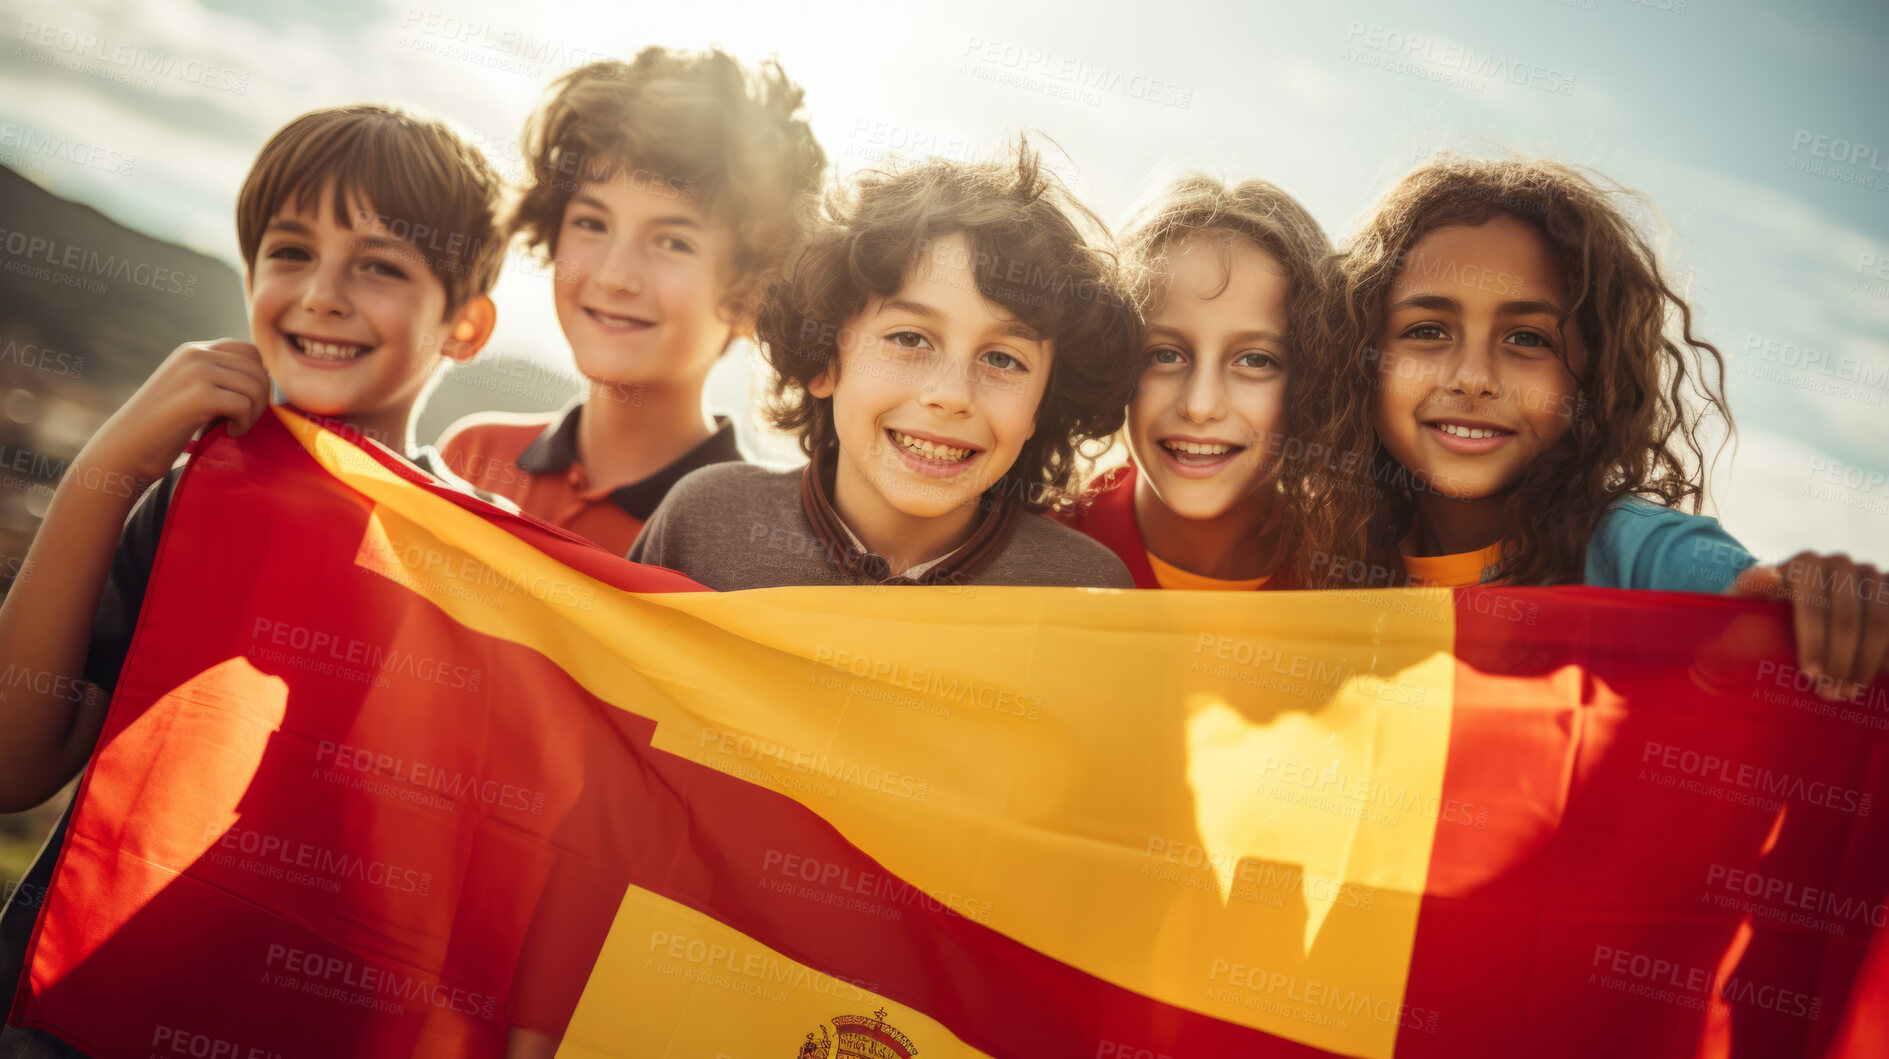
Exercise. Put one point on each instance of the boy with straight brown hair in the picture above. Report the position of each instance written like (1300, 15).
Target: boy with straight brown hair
(350, 311)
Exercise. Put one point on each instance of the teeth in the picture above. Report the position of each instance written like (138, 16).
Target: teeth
(930, 451)
(327, 350)
(613, 321)
(1466, 432)
(1193, 448)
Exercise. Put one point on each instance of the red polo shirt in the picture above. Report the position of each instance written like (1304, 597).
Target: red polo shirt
(531, 459)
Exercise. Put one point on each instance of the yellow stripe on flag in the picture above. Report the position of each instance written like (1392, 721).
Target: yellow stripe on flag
(684, 985)
(1224, 801)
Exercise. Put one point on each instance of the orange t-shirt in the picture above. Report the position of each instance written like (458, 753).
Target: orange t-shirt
(1167, 575)
(531, 459)
(1109, 517)
(1461, 568)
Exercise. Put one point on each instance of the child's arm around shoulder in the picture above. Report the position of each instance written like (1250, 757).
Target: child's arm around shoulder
(46, 730)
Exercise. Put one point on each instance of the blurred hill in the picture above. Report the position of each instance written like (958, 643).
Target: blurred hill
(88, 308)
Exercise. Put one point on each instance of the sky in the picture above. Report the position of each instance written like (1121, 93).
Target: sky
(1755, 133)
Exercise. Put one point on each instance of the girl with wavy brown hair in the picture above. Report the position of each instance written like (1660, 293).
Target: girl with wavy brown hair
(1534, 405)
(1226, 278)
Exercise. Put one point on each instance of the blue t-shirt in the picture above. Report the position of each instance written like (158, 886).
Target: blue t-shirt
(1641, 544)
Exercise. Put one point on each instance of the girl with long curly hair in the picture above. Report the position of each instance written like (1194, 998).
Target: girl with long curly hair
(1535, 408)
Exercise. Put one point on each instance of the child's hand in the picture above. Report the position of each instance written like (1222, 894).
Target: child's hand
(1840, 609)
(198, 382)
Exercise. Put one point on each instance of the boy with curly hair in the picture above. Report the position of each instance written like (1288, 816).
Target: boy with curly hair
(942, 344)
(663, 193)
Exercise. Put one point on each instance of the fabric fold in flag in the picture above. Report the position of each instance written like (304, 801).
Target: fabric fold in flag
(391, 772)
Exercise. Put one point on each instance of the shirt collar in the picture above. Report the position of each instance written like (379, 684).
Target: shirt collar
(914, 572)
(1454, 570)
(847, 554)
(555, 450)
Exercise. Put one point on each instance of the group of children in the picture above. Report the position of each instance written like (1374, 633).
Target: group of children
(1490, 380)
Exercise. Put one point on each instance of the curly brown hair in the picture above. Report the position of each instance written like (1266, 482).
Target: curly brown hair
(1197, 207)
(1037, 252)
(697, 126)
(1647, 389)
(428, 185)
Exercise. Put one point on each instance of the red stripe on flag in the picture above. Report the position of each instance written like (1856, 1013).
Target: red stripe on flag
(1620, 745)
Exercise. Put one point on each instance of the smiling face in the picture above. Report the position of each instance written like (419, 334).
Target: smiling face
(1203, 421)
(1475, 375)
(935, 394)
(640, 277)
(350, 322)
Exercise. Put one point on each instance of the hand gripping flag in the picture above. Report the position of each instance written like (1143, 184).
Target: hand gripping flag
(391, 772)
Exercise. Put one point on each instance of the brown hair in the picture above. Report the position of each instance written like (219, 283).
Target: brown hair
(429, 186)
(1646, 388)
(1198, 207)
(1036, 251)
(697, 126)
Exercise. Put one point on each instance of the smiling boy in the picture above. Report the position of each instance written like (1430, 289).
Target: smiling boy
(349, 320)
(663, 193)
(943, 343)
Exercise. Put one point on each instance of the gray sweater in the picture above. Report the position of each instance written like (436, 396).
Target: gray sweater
(732, 526)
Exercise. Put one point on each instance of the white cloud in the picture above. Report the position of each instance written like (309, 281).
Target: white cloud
(1788, 496)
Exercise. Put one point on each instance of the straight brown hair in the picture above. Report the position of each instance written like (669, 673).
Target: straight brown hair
(417, 176)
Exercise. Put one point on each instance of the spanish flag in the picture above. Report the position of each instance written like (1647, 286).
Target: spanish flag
(390, 772)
